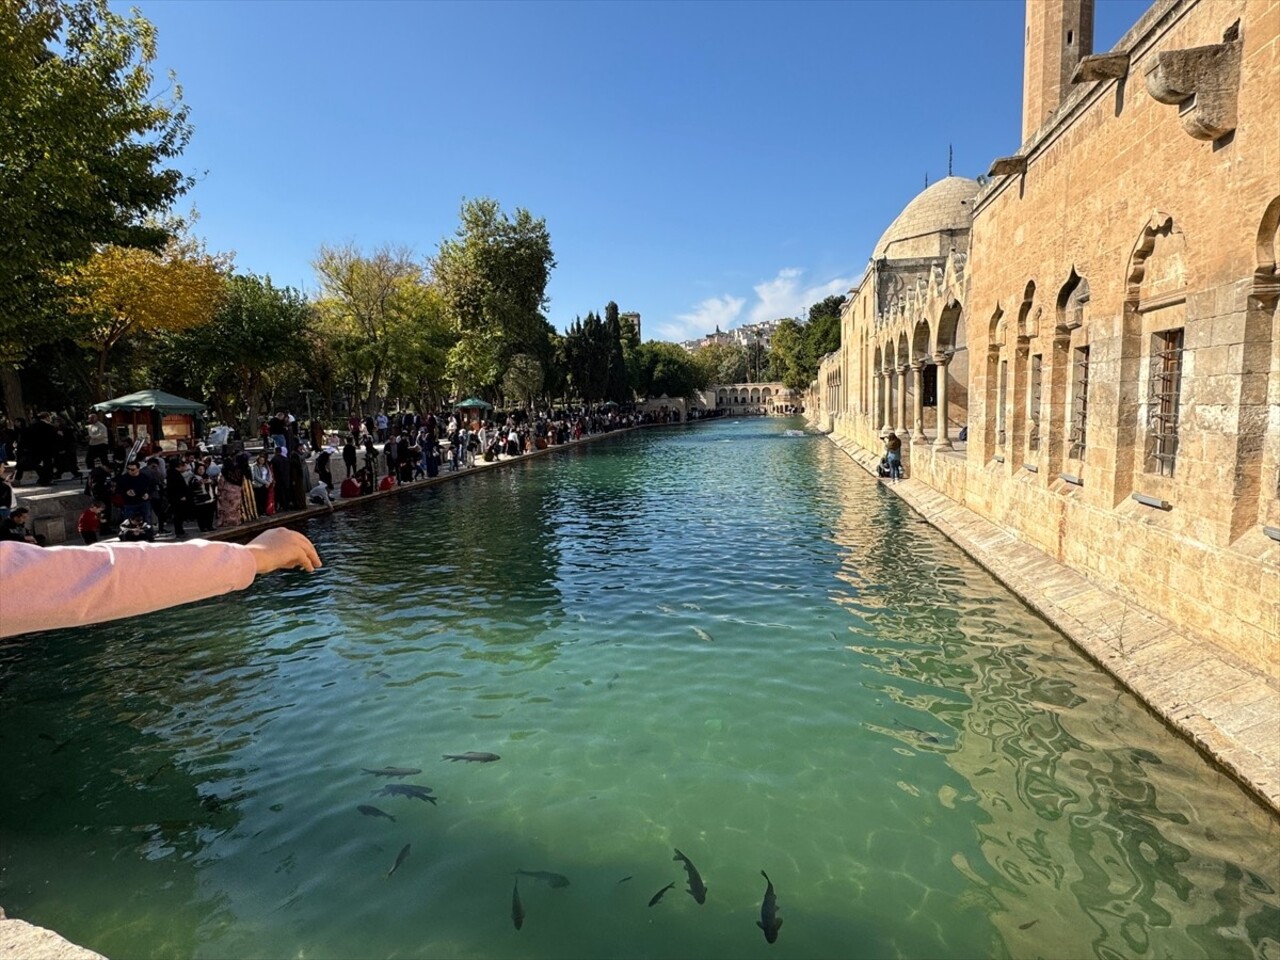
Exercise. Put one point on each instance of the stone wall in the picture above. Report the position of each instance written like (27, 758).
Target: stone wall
(1121, 382)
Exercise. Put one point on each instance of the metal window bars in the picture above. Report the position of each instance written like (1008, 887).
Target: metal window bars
(1033, 415)
(1163, 401)
(1079, 403)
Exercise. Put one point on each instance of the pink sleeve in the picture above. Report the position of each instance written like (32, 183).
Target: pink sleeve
(42, 588)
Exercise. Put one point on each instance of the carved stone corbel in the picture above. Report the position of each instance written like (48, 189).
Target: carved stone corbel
(1205, 84)
(1101, 66)
(1005, 166)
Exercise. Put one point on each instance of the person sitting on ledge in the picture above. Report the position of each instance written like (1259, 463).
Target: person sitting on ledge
(45, 589)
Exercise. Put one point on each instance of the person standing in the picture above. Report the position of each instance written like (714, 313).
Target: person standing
(261, 479)
(280, 471)
(136, 489)
(349, 455)
(178, 494)
(97, 442)
(230, 495)
(90, 523)
(8, 499)
(202, 502)
(893, 453)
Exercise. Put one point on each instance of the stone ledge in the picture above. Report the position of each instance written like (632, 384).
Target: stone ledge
(1179, 677)
(19, 939)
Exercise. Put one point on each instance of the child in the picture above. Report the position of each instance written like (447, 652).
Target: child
(90, 522)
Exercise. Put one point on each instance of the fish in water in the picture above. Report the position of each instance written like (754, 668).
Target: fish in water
(924, 735)
(472, 757)
(517, 908)
(697, 889)
(703, 635)
(401, 858)
(57, 745)
(1029, 924)
(658, 896)
(769, 920)
(406, 790)
(625, 879)
(399, 772)
(550, 879)
(369, 811)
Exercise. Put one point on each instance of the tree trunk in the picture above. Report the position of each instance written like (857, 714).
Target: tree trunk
(255, 405)
(373, 386)
(14, 404)
(100, 380)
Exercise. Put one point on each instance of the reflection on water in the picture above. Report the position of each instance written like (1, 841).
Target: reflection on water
(721, 639)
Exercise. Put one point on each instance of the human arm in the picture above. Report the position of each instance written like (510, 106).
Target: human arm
(47, 588)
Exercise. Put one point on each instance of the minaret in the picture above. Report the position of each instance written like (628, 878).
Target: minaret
(1059, 34)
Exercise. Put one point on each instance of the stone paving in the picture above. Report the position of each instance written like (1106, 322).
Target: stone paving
(1227, 709)
(22, 941)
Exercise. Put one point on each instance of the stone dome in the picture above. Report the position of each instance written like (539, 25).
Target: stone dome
(936, 220)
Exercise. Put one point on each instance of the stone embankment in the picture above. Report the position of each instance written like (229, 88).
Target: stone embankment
(1227, 709)
(20, 940)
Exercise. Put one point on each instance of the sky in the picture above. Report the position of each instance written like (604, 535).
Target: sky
(703, 163)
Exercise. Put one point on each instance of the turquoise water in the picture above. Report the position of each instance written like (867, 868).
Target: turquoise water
(717, 639)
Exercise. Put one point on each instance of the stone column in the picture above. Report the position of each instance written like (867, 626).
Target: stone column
(917, 412)
(943, 440)
(900, 420)
(886, 390)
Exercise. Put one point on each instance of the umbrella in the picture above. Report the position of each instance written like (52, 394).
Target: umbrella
(473, 403)
(156, 400)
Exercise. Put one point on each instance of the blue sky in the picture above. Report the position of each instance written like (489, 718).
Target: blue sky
(701, 163)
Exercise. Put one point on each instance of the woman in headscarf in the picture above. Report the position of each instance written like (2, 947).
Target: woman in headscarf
(230, 495)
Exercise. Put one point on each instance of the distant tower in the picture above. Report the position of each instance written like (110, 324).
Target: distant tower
(633, 320)
(1059, 34)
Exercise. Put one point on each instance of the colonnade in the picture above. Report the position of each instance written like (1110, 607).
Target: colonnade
(889, 400)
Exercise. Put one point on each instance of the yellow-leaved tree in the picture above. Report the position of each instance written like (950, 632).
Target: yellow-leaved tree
(122, 292)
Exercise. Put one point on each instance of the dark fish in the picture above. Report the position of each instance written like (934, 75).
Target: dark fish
(658, 896)
(406, 790)
(517, 908)
(697, 889)
(924, 735)
(624, 879)
(1029, 924)
(471, 757)
(393, 771)
(550, 879)
(58, 745)
(401, 858)
(769, 920)
(369, 811)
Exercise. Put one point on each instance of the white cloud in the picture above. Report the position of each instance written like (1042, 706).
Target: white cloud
(704, 318)
(783, 296)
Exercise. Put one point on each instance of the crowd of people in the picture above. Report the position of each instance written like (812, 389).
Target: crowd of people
(145, 496)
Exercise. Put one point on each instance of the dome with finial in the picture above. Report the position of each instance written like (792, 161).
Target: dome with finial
(938, 219)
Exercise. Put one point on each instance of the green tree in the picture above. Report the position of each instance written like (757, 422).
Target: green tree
(258, 334)
(824, 326)
(493, 276)
(367, 302)
(617, 386)
(85, 145)
(669, 368)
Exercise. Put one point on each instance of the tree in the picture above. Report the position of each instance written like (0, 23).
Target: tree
(258, 332)
(824, 326)
(723, 362)
(366, 301)
(84, 148)
(790, 359)
(493, 277)
(668, 368)
(617, 385)
(123, 291)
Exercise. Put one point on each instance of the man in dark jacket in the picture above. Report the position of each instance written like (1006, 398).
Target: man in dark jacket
(179, 497)
(138, 490)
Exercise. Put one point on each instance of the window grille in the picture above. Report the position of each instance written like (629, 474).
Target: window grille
(1000, 403)
(1079, 403)
(1033, 420)
(1162, 402)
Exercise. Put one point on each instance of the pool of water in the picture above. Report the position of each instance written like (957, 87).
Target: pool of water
(719, 639)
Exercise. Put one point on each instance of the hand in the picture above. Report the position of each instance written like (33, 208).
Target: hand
(282, 549)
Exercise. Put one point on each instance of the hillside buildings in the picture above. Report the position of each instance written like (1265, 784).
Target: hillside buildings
(1084, 350)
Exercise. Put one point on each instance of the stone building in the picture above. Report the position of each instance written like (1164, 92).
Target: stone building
(1098, 322)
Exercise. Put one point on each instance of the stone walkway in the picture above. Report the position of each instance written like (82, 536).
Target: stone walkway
(1227, 709)
(22, 941)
